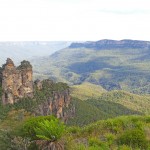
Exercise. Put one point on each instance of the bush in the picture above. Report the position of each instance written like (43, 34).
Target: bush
(124, 147)
(94, 143)
(134, 138)
(27, 129)
(50, 130)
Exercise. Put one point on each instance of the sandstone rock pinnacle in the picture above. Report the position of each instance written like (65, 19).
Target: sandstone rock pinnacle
(16, 81)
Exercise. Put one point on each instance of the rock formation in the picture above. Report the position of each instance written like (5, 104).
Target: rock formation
(59, 104)
(16, 81)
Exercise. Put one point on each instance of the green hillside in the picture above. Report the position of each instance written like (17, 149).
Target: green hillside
(107, 105)
(86, 113)
(131, 101)
(113, 67)
(87, 90)
(93, 110)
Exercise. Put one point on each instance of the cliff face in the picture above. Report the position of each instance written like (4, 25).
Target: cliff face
(16, 81)
(50, 98)
(58, 104)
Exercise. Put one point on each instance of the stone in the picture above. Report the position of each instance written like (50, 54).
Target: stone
(16, 81)
(59, 104)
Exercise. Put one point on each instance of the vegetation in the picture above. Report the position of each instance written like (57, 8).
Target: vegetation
(21, 130)
(114, 69)
(86, 113)
(131, 101)
(97, 74)
(12, 121)
(31, 104)
(122, 133)
(49, 130)
(42, 131)
(24, 64)
(93, 110)
(118, 133)
(108, 105)
(87, 90)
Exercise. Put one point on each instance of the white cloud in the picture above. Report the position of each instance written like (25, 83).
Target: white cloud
(74, 19)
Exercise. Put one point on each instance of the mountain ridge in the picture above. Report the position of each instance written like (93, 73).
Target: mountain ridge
(106, 43)
(112, 68)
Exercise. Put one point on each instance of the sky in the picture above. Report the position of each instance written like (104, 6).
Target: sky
(74, 20)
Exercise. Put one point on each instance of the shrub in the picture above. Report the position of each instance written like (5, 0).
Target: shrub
(124, 147)
(27, 129)
(51, 130)
(110, 139)
(95, 143)
(134, 138)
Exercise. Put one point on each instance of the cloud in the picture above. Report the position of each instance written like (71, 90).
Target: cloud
(74, 19)
(124, 12)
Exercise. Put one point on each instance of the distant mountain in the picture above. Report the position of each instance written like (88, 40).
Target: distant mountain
(112, 44)
(27, 50)
(120, 65)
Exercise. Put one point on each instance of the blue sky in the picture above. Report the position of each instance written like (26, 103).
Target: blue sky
(74, 20)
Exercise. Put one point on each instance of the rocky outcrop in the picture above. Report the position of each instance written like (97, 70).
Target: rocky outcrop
(16, 81)
(59, 104)
(50, 98)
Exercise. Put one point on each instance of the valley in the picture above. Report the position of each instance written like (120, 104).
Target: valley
(108, 63)
(99, 90)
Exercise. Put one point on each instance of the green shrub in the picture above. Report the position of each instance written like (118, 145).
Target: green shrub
(134, 138)
(80, 147)
(110, 139)
(50, 130)
(27, 129)
(74, 129)
(124, 147)
(95, 143)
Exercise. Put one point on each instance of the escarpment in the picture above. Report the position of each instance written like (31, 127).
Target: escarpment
(49, 98)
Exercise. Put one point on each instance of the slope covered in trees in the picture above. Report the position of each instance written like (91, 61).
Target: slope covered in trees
(114, 65)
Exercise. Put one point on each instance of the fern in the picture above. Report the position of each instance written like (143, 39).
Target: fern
(49, 130)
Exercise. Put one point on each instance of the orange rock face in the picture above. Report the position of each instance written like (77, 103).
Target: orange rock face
(16, 81)
(59, 105)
